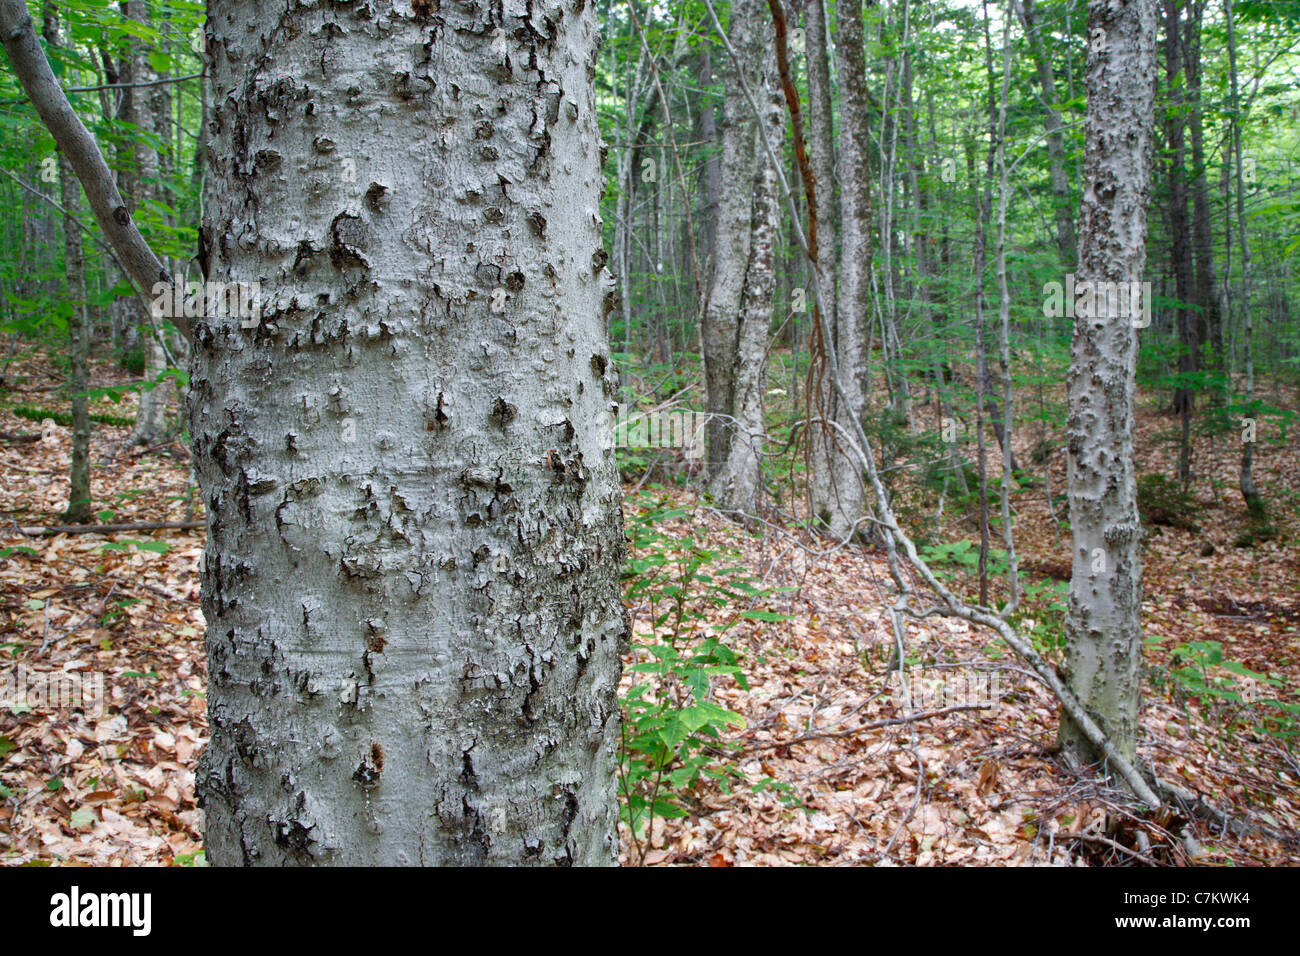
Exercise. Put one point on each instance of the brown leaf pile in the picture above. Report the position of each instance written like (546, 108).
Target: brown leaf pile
(824, 713)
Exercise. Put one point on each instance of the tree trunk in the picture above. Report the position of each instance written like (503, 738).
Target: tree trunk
(826, 442)
(1249, 493)
(720, 321)
(1103, 618)
(735, 485)
(74, 268)
(1180, 244)
(853, 305)
(1209, 320)
(1065, 239)
(411, 570)
(151, 415)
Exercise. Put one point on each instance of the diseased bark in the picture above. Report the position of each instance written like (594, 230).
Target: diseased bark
(736, 479)
(721, 318)
(842, 510)
(411, 570)
(1103, 618)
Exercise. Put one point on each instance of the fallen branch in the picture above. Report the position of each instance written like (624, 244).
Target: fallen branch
(874, 725)
(113, 528)
(20, 437)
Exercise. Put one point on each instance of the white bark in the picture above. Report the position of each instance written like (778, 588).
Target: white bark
(411, 572)
(750, 207)
(1103, 619)
(721, 316)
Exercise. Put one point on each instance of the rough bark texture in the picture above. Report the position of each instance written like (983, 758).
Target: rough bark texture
(840, 504)
(736, 483)
(1102, 622)
(720, 319)
(411, 572)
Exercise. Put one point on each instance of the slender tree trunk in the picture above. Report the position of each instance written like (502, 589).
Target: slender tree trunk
(853, 305)
(720, 322)
(1065, 239)
(826, 442)
(1180, 237)
(737, 481)
(1103, 619)
(74, 268)
(1209, 320)
(151, 416)
(1254, 501)
(414, 536)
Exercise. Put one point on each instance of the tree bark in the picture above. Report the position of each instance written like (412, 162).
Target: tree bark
(736, 482)
(1103, 617)
(411, 569)
(731, 255)
(841, 510)
(1180, 243)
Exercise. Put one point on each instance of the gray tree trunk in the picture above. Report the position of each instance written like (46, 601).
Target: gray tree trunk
(411, 571)
(74, 268)
(1103, 618)
(825, 441)
(839, 503)
(1065, 238)
(151, 415)
(720, 321)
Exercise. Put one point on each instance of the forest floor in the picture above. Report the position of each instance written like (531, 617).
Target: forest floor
(863, 776)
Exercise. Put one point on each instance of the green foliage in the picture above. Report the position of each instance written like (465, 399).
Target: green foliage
(673, 731)
(964, 555)
(35, 414)
(1199, 671)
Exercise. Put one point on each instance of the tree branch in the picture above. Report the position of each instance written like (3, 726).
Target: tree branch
(38, 82)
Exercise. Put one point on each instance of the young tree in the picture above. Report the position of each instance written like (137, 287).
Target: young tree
(74, 267)
(1103, 618)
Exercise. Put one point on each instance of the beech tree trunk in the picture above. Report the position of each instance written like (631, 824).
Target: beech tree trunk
(843, 506)
(738, 314)
(412, 562)
(1103, 618)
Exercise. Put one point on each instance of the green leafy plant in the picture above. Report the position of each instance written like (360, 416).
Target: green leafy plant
(673, 729)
